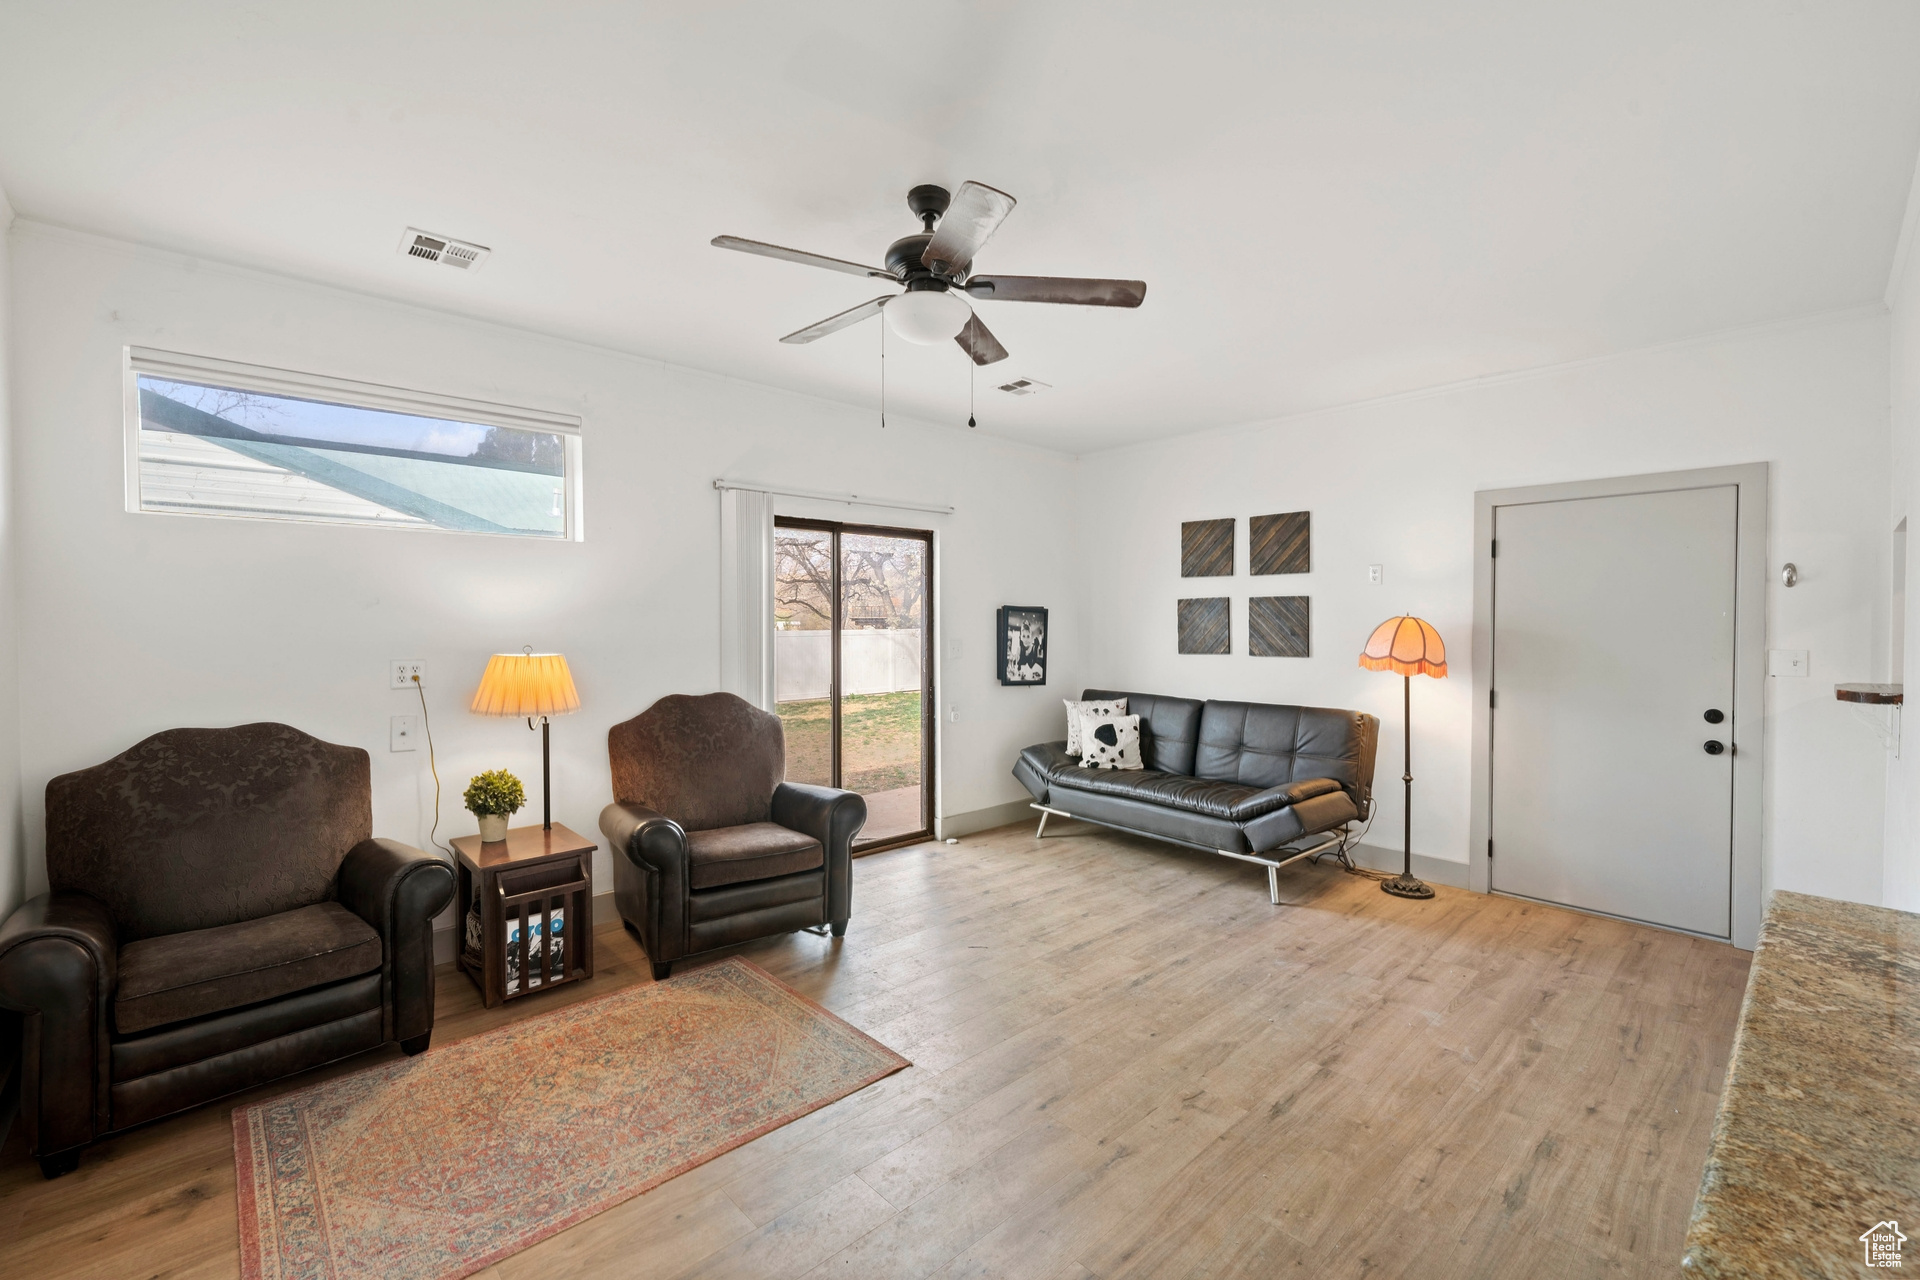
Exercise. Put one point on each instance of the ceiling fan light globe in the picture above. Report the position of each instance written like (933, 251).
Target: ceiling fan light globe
(928, 316)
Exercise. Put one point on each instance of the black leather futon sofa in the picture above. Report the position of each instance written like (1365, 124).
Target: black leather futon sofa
(1251, 780)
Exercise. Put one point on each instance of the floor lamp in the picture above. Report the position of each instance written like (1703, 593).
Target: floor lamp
(1408, 647)
(529, 684)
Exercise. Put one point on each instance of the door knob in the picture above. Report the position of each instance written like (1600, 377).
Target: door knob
(1715, 748)
(1714, 715)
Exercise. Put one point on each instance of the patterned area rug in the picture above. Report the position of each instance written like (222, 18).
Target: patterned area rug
(443, 1164)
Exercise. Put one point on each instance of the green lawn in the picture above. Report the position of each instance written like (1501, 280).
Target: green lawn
(880, 737)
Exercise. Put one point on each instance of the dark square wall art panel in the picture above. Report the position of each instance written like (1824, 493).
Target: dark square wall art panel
(1206, 549)
(1280, 544)
(1277, 626)
(1204, 625)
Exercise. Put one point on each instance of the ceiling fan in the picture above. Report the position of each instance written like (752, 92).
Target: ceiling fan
(937, 265)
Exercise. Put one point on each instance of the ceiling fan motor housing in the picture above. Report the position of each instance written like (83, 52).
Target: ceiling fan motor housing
(903, 259)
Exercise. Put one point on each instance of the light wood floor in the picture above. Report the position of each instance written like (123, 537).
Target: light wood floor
(1127, 1064)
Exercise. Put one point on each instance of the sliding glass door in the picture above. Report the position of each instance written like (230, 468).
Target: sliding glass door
(853, 667)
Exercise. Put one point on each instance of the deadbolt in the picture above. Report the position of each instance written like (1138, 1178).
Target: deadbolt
(1715, 715)
(1715, 748)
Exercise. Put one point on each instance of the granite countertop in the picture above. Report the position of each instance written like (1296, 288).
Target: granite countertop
(1818, 1135)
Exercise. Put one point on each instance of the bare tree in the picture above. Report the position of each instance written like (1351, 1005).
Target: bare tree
(882, 580)
(803, 579)
(541, 449)
(242, 408)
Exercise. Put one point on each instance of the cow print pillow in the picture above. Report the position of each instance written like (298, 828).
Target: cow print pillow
(1111, 707)
(1110, 742)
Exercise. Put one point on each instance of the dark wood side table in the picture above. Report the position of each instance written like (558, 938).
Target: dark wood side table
(522, 881)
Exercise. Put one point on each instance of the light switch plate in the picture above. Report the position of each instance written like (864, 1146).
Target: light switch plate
(403, 670)
(1786, 662)
(405, 731)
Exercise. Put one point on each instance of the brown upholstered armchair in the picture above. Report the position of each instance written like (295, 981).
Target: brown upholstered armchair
(218, 917)
(711, 845)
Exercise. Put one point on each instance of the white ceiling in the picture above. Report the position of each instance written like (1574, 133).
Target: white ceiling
(1329, 202)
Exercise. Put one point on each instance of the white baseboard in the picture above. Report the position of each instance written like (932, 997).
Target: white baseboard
(444, 935)
(955, 825)
(1434, 870)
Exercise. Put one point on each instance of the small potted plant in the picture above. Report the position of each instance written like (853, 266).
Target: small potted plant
(491, 797)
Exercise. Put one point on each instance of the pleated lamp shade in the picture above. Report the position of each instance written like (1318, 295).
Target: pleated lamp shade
(525, 684)
(1406, 646)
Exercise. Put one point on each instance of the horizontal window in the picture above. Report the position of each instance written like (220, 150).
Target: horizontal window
(214, 438)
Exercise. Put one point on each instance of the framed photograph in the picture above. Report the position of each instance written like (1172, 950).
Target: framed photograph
(1020, 644)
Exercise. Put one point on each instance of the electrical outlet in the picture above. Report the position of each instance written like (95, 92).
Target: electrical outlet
(955, 650)
(1373, 574)
(1786, 662)
(403, 735)
(953, 713)
(404, 671)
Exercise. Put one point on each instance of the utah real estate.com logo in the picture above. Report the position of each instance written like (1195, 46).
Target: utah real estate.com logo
(1882, 1241)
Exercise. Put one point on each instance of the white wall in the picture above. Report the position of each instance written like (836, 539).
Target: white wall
(13, 856)
(1392, 483)
(1902, 875)
(134, 623)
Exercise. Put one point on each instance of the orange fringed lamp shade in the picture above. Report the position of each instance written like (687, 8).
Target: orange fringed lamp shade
(1405, 646)
(525, 684)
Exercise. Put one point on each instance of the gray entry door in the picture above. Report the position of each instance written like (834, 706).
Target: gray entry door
(1613, 640)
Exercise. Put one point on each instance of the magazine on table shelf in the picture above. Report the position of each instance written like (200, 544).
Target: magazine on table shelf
(537, 941)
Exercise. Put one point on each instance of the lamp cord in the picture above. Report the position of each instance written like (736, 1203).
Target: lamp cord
(1373, 803)
(1365, 873)
(432, 767)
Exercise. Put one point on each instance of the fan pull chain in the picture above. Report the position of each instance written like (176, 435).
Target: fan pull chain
(883, 373)
(972, 368)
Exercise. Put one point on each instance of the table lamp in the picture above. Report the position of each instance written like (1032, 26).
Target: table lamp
(1409, 647)
(529, 684)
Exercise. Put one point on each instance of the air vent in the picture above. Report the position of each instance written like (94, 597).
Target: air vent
(1024, 387)
(443, 249)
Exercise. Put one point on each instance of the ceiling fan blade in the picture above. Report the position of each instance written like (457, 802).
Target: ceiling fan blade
(1067, 289)
(976, 213)
(835, 323)
(800, 256)
(977, 342)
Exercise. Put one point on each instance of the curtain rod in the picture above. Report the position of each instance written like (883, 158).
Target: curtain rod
(852, 499)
